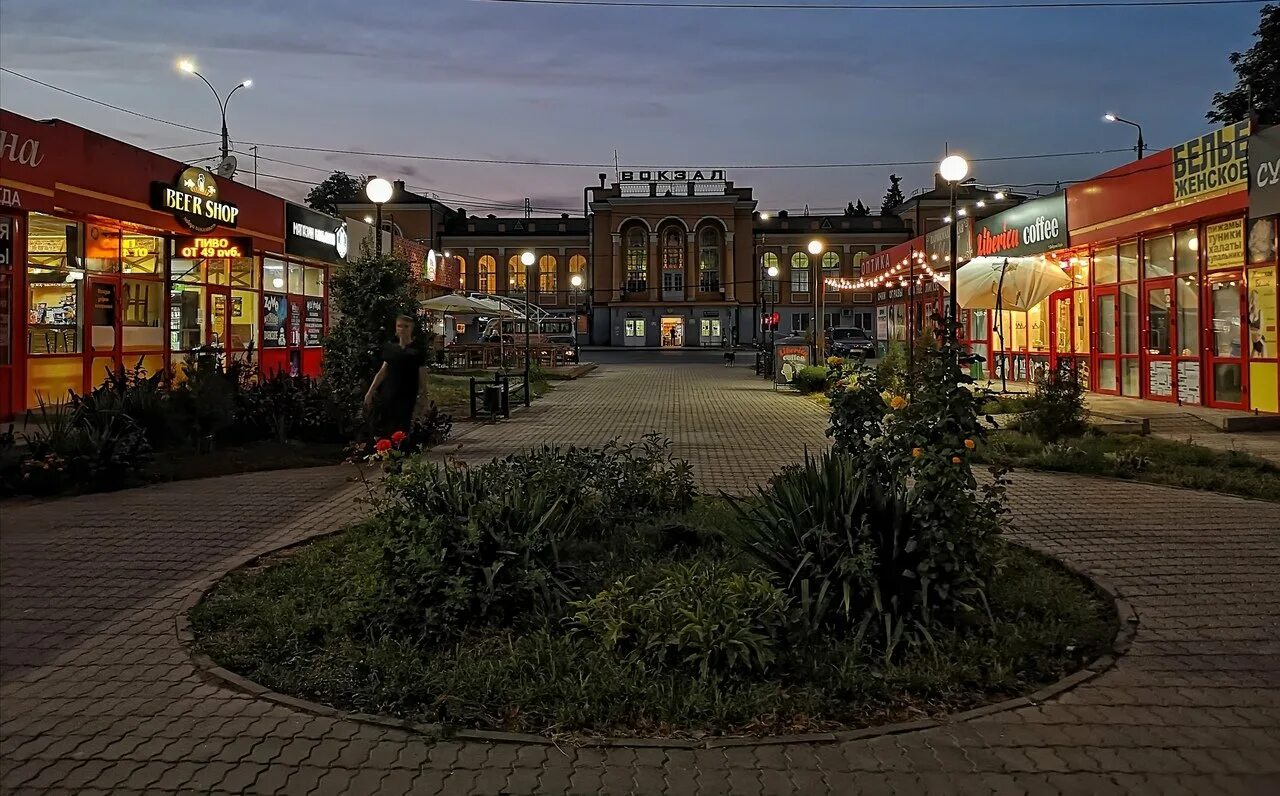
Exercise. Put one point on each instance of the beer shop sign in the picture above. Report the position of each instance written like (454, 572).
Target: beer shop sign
(1033, 227)
(193, 200)
(1214, 162)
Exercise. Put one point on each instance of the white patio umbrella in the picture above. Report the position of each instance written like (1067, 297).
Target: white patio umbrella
(457, 304)
(1019, 283)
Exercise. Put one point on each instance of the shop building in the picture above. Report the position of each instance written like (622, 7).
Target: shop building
(115, 257)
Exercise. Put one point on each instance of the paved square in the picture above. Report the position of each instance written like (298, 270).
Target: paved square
(97, 695)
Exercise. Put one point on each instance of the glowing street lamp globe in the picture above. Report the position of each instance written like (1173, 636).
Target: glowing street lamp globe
(378, 190)
(772, 271)
(953, 168)
(576, 280)
(527, 259)
(815, 247)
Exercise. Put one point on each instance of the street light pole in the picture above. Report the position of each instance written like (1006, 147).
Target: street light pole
(379, 191)
(819, 295)
(1141, 147)
(190, 68)
(527, 259)
(953, 169)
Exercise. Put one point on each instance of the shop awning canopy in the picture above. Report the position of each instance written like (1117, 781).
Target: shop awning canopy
(457, 304)
(1020, 282)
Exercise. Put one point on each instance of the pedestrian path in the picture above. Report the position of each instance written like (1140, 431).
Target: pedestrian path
(98, 696)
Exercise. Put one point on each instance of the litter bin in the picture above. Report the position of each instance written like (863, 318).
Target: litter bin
(493, 399)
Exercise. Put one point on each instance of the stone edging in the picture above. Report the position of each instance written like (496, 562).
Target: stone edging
(1126, 617)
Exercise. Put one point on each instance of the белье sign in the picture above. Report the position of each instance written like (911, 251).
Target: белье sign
(1214, 162)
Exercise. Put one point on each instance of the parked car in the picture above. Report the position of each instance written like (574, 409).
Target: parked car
(570, 340)
(846, 341)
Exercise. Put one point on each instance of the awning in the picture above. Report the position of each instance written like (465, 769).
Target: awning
(1021, 282)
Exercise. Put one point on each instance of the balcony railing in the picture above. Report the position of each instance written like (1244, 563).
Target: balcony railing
(656, 189)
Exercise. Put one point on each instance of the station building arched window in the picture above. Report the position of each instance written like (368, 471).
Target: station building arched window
(799, 273)
(709, 260)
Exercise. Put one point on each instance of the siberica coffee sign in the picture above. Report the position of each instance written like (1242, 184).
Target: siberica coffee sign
(315, 235)
(671, 175)
(1033, 227)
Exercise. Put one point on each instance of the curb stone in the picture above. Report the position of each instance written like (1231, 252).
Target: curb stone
(1126, 620)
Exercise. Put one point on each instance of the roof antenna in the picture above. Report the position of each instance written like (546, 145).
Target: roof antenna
(617, 173)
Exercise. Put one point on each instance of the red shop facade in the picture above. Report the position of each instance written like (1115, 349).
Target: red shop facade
(115, 257)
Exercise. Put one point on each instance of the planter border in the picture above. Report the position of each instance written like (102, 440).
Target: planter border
(1126, 621)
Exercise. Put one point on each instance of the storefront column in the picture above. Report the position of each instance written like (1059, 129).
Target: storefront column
(727, 280)
(654, 275)
(691, 268)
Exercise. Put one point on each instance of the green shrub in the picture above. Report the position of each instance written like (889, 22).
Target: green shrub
(281, 406)
(810, 380)
(74, 445)
(702, 616)
(1056, 409)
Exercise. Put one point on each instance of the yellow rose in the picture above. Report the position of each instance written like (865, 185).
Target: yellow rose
(917, 452)
(897, 402)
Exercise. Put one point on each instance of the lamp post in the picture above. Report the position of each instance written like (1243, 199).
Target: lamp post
(819, 294)
(189, 67)
(953, 169)
(379, 191)
(772, 272)
(1141, 147)
(576, 281)
(527, 259)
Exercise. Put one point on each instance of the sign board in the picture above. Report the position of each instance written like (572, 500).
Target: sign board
(671, 175)
(7, 234)
(17, 151)
(1033, 227)
(789, 359)
(190, 247)
(1224, 244)
(1213, 163)
(193, 200)
(939, 242)
(273, 317)
(313, 321)
(104, 304)
(1264, 172)
(318, 236)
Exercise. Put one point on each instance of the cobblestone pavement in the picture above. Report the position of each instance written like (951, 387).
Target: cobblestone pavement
(97, 696)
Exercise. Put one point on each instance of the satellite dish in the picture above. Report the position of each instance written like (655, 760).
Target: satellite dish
(227, 168)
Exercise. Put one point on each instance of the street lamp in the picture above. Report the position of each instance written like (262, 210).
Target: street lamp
(1141, 147)
(819, 294)
(188, 66)
(527, 259)
(576, 282)
(953, 169)
(773, 272)
(379, 191)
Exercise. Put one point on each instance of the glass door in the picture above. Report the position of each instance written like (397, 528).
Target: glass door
(1106, 324)
(1226, 302)
(104, 330)
(1159, 331)
(218, 322)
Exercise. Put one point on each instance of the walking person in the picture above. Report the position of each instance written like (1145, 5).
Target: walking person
(391, 398)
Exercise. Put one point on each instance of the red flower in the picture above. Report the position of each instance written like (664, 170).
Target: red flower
(398, 437)
(383, 446)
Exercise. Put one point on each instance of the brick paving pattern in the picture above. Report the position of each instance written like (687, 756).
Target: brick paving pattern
(98, 696)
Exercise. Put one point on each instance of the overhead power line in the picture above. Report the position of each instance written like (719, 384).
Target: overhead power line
(561, 164)
(958, 6)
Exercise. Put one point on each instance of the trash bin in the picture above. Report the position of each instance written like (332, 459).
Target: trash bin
(493, 398)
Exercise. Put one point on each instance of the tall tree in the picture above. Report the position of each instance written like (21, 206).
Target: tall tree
(1257, 75)
(892, 197)
(338, 188)
(861, 210)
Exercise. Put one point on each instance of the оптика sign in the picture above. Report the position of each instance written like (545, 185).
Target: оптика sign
(1033, 227)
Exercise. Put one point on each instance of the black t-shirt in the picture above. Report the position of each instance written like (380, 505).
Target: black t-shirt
(403, 364)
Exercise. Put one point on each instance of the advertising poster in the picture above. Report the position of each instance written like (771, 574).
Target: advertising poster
(313, 321)
(1225, 247)
(104, 304)
(1262, 240)
(273, 311)
(295, 322)
(790, 360)
(1262, 312)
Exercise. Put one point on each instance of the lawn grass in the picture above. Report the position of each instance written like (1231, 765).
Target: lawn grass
(453, 393)
(1152, 460)
(301, 624)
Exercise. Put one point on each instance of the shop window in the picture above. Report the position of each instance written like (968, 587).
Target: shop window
(1128, 258)
(181, 270)
(710, 331)
(1188, 321)
(1062, 325)
(1080, 322)
(140, 315)
(102, 249)
(273, 274)
(486, 274)
(799, 322)
(977, 324)
(1158, 258)
(1104, 265)
(186, 318)
(1158, 301)
(1129, 319)
(1078, 269)
(634, 327)
(141, 254)
(709, 260)
(1225, 303)
(1038, 327)
(295, 278)
(1186, 252)
(799, 273)
(217, 271)
(244, 321)
(637, 260)
(547, 275)
(49, 379)
(312, 281)
(1228, 387)
(515, 274)
(242, 272)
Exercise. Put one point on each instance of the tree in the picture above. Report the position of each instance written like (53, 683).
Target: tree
(861, 210)
(338, 188)
(1257, 75)
(892, 197)
(365, 296)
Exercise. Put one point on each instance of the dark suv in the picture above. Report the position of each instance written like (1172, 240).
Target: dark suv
(846, 341)
(570, 340)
